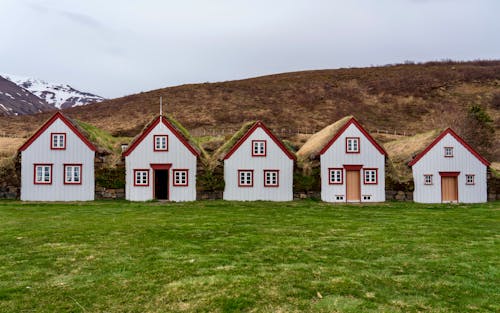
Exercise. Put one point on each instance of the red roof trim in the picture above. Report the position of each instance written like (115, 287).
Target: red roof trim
(151, 127)
(358, 125)
(458, 138)
(268, 132)
(47, 124)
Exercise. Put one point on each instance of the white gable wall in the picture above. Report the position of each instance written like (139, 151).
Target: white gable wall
(242, 159)
(144, 155)
(336, 157)
(39, 152)
(462, 161)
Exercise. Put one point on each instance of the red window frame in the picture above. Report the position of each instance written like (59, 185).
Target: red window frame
(51, 165)
(166, 143)
(330, 169)
(359, 144)
(135, 177)
(376, 176)
(277, 178)
(64, 173)
(448, 156)
(239, 180)
(52, 141)
(473, 179)
(265, 148)
(180, 170)
(432, 179)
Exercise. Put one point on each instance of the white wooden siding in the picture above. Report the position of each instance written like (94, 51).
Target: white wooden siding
(39, 152)
(144, 155)
(242, 159)
(336, 157)
(462, 161)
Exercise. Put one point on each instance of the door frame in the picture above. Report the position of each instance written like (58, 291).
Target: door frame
(353, 167)
(449, 174)
(161, 166)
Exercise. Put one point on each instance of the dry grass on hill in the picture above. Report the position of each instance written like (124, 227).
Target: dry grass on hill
(399, 97)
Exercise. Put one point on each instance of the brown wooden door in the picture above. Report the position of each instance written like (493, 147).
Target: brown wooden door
(353, 186)
(449, 189)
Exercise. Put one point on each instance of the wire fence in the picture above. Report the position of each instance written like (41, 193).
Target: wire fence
(286, 132)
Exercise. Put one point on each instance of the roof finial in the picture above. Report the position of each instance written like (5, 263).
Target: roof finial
(161, 106)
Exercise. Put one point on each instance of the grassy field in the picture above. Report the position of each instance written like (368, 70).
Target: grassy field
(217, 256)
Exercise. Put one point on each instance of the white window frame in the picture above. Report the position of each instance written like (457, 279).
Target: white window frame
(448, 152)
(160, 142)
(470, 179)
(352, 145)
(428, 179)
(45, 172)
(141, 177)
(271, 178)
(58, 141)
(181, 177)
(370, 176)
(72, 179)
(245, 178)
(259, 148)
(335, 176)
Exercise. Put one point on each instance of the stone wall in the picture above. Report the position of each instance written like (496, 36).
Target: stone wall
(8, 191)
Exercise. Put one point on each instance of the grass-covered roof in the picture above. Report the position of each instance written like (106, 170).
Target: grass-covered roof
(312, 147)
(403, 150)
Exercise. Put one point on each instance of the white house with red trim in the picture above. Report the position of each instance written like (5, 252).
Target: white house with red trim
(258, 167)
(57, 163)
(352, 166)
(160, 164)
(449, 170)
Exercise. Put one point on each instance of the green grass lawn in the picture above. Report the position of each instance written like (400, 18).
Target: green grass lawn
(217, 256)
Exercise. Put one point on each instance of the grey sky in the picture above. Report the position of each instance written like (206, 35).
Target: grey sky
(114, 48)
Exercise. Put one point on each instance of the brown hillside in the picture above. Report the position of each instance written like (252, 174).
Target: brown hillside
(411, 97)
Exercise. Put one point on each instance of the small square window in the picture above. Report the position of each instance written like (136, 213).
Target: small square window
(367, 197)
(180, 177)
(271, 178)
(427, 179)
(161, 143)
(58, 141)
(469, 179)
(448, 152)
(339, 197)
(258, 148)
(43, 174)
(370, 176)
(72, 174)
(141, 178)
(352, 144)
(245, 178)
(335, 176)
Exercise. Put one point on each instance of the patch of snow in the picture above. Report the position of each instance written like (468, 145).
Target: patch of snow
(9, 95)
(55, 94)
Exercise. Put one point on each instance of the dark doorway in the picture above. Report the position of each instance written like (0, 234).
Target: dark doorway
(161, 184)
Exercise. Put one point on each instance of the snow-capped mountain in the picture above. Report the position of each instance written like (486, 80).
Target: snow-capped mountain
(15, 100)
(61, 96)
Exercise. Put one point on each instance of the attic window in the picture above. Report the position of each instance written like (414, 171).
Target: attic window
(448, 152)
(258, 148)
(58, 141)
(352, 145)
(161, 143)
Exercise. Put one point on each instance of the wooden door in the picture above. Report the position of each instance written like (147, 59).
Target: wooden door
(353, 186)
(449, 189)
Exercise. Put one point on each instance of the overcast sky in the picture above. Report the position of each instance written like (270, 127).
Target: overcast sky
(115, 48)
